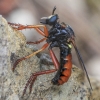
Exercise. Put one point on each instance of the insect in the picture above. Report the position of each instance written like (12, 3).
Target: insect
(60, 35)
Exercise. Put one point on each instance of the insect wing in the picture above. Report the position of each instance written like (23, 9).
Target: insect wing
(82, 64)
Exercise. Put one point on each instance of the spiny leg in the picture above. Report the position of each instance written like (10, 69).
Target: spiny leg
(34, 75)
(30, 81)
(14, 24)
(37, 27)
(37, 42)
(31, 84)
(19, 60)
(54, 59)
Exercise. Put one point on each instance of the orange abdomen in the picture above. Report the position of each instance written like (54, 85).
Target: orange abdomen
(67, 70)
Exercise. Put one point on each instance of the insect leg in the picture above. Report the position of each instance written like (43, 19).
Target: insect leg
(54, 59)
(40, 31)
(14, 24)
(37, 42)
(36, 27)
(19, 60)
(34, 75)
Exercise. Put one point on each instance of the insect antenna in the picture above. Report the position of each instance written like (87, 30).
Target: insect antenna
(53, 10)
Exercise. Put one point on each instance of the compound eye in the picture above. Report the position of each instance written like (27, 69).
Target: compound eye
(52, 19)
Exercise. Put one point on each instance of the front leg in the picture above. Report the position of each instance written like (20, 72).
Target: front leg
(36, 27)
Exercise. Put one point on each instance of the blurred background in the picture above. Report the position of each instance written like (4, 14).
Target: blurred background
(82, 15)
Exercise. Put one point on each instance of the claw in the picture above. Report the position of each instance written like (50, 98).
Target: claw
(16, 63)
(31, 82)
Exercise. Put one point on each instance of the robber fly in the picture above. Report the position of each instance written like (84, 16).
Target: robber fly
(60, 35)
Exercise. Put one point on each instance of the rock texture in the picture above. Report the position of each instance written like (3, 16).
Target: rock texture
(13, 46)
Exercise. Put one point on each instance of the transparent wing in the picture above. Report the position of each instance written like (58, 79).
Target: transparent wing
(81, 62)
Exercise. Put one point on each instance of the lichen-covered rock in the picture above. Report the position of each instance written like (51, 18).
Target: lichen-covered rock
(95, 94)
(13, 46)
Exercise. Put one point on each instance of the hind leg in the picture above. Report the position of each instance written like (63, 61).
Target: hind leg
(34, 75)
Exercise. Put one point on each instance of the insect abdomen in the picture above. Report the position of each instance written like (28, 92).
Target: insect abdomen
(65, 74)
